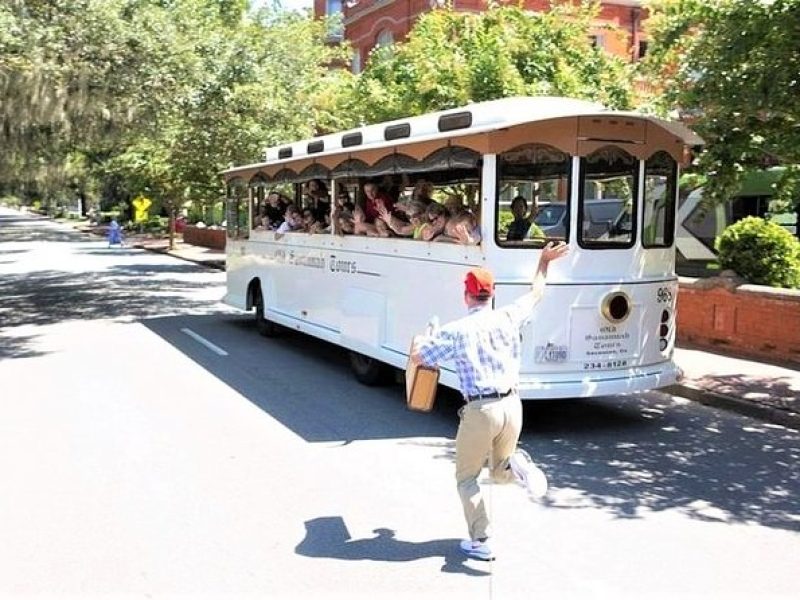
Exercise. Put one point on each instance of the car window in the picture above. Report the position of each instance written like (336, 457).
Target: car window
(550, 215)
(601, 212)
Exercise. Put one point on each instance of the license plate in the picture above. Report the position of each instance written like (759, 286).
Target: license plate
(551, 353)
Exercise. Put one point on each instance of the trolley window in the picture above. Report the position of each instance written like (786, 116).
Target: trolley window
(607, 205)
(532, 194)
(237, 210)
(660, 181)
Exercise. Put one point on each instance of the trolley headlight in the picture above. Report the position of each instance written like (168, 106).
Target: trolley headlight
(616, 307)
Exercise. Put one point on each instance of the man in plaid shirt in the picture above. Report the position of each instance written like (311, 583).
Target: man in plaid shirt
(486, 348)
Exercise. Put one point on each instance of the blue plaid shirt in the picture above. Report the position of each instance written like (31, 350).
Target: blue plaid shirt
(486, 346)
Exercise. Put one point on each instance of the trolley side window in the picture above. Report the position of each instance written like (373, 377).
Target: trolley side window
(607, 200)
(532, 196)
(660, 181)
(237, 210)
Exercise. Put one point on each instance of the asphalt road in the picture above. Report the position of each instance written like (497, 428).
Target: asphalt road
(152, 445)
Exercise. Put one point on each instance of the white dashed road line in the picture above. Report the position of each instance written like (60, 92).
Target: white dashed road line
(204, 341)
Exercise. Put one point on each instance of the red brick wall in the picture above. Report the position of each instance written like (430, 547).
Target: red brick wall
(366, 19)
(751, 320)
(200, 236)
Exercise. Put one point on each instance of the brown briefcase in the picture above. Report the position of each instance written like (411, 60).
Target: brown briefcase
(421, 383)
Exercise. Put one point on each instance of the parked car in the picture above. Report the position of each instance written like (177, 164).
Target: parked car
(551, 219)
(600, 216)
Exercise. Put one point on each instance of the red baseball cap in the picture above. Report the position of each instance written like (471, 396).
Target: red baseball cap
(479, 282)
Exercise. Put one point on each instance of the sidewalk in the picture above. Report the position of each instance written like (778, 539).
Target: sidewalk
(197, 254)
(760, 390)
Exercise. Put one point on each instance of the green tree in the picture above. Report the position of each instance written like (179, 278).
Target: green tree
(263, 83)
(266, 83)
(129, 96)
(453, 58)
(78, 75)
(732, 67)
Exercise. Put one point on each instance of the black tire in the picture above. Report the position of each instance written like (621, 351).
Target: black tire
(264, 327)
(368, 370)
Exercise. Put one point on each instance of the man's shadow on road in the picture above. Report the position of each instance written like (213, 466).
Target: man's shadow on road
(328, 537)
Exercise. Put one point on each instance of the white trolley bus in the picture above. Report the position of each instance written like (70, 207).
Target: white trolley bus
(606, 324)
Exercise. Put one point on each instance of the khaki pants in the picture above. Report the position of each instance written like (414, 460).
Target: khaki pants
(490, 429)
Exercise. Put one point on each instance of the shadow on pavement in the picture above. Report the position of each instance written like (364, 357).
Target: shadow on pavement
(48, 297)
(305, 383)
(17, 229)
(624, 455)
(20, 220)
(104, 251)
(130, 289)
(17, 346)
(707, 464)
(328, 537)
(777, 391)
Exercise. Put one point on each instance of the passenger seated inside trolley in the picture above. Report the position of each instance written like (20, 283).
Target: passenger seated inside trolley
(523, 221)
(292, 220)
(405, 208)
(461, 228)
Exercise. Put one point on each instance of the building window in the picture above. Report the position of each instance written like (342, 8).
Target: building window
(385, 38)
(597, 40)
(642, 49)
(333, 11)
(356, 64)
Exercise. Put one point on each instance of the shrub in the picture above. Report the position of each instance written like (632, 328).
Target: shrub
(107, 215)
(760, 251)
(155, 224)
(504, 221)
(195, 213)
(11, 201)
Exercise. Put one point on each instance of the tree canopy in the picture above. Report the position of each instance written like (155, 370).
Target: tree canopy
(121, 97)
(452, 58)
(732, 69)
(154, 96)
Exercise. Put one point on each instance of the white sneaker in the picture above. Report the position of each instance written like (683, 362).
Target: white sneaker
(477, 550)
(528, 475)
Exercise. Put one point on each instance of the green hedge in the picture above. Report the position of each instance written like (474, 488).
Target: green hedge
(760, 251)
(10, 201)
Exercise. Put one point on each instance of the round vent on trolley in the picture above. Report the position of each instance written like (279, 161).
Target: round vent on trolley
(616, 307)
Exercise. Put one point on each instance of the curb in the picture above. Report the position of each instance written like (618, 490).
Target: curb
(737, 405)
(211, 264)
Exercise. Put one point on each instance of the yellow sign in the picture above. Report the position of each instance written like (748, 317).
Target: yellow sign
(141, 206)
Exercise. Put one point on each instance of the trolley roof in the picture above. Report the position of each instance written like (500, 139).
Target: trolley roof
(462, 122)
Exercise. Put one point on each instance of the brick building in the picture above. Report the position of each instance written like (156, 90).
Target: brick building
(371, 23)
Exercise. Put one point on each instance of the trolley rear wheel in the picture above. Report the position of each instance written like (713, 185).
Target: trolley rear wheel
(368, 370)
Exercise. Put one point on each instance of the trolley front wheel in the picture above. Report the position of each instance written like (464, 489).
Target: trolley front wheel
(264, 327)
